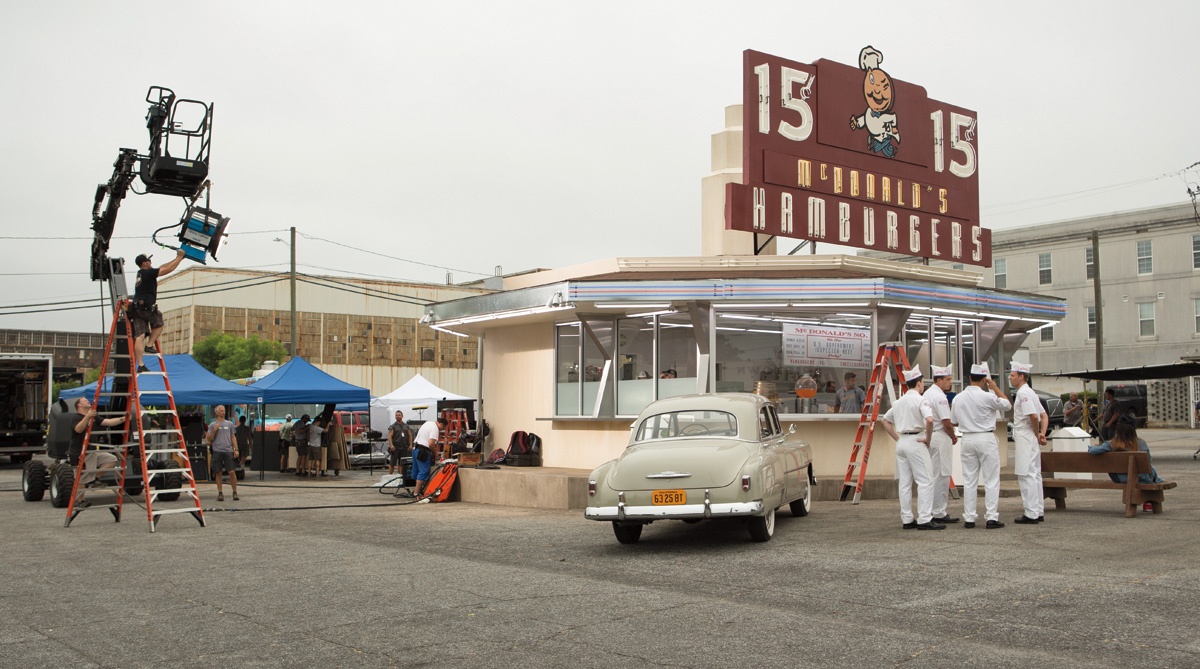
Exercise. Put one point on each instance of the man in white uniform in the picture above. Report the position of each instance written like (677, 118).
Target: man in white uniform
(910, 422)
(1029, 433)
(974, 411)
(941, 445)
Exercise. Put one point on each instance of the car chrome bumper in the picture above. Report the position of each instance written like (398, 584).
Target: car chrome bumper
(705, 510)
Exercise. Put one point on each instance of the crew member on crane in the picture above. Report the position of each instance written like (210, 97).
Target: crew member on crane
(144, 316)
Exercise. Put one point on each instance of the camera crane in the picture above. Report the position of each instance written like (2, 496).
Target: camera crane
(175, 164)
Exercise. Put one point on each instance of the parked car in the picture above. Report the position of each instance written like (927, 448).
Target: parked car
(697, 457)
(354, 423)
(1053, 406)
(1132, 397)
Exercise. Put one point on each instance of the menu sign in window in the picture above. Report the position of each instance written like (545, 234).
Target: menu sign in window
(816, 346)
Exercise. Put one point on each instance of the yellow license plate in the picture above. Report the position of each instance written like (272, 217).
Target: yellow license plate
(664, 497)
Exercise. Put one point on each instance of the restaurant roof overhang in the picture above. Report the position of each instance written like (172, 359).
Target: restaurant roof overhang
(659, 285)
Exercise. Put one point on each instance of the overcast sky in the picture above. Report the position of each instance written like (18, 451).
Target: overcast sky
(466, 135)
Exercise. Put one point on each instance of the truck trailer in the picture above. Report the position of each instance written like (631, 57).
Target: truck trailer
(26, 382)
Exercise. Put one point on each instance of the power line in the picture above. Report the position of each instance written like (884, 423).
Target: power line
(384, 255)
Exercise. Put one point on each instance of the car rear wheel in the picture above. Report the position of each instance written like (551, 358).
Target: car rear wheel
(627, 534)
(762, 528)
(801, 506)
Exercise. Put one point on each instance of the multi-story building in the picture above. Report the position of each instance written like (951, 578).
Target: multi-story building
(1149, 274)
(363, 331)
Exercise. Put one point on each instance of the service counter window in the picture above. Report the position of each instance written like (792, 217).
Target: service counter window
(635, 365)
(677, 353)
(799, 359)
(568, 344)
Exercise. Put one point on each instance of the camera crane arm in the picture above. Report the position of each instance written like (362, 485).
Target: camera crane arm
(183, 174)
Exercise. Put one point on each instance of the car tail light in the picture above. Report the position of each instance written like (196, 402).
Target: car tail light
(591, 488)
(745, 483)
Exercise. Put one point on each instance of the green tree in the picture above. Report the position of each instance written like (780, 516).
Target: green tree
(232, 357)
(90, 376)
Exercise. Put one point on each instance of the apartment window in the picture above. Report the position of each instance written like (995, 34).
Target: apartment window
(1047, 334)
(1195, 251)
(1045, 275)
(1089, 263)
(1091, 322)
(1000, 271)
(1146, 319)
(1145, 256)
(1196, 312)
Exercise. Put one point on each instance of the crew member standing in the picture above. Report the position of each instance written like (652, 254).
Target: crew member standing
(974, 410)
(223, 440)
(910, 423)
(850, 398)
(1029, 433)
(144, 316)
(425, 443)
(941, 445)
(399, 444)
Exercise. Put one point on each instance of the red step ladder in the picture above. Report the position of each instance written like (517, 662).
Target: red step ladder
(890, 357)
(162, 472)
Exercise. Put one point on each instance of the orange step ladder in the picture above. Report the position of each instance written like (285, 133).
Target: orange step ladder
(890, 357)
(161, 472)
(456, 427)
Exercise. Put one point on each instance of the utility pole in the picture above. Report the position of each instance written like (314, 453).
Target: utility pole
(1099, 313)
(293, 278)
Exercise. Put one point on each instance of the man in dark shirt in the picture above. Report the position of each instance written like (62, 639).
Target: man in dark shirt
(96, 459)
(144, 316)
(1108, 419)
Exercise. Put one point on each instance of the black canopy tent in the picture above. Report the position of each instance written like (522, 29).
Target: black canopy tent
(1175, 370)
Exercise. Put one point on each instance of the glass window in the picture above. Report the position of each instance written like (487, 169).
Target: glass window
(635, 368)
(1196, 312)
(1091, 323)
(593, 363)
(1045, 273)
(1047, 333)
(692, 423)
(1195, 251)
(1145, 256)
(753, 354)
(1000, 271)
(1146, 319)
(1089, 263)
(567, 349)
(676, 356)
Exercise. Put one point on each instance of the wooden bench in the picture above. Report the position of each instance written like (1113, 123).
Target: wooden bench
(1130, 463)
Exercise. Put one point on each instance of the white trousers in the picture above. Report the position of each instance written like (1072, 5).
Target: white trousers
(940, 452)
(1029, 476)
(980, 456)
(913, 465)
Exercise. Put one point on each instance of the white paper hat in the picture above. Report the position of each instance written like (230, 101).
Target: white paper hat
(941, 371)
(912, 374)
(1020, 367)
(980, 370)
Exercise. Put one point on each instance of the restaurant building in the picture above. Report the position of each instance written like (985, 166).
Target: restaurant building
(574, 354)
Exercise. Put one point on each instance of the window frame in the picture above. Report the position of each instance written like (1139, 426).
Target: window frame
(1147, 257)
(1045, 269)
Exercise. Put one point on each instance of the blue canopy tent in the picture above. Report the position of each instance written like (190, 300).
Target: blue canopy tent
(190, 384)
(299, 382)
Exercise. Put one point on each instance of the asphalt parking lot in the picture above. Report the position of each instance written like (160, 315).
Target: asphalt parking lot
(329, 573)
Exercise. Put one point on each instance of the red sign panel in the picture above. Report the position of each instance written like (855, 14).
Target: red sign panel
(851, 156)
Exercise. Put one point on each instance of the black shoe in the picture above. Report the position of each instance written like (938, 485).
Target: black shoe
(143, 368)
(946, 519)
(151, 350)
(1041, 519)
(1026, 520)
(968, 526)
(910, 525)
(994, 525)
(930, 526)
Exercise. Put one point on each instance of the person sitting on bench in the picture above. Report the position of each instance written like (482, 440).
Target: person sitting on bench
(1125, 439)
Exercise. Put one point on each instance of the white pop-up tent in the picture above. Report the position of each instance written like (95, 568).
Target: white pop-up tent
(419, 391)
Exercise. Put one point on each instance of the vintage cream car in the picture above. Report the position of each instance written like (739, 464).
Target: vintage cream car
(704, 456)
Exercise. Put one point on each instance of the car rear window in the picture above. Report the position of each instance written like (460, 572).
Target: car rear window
(677, 424)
